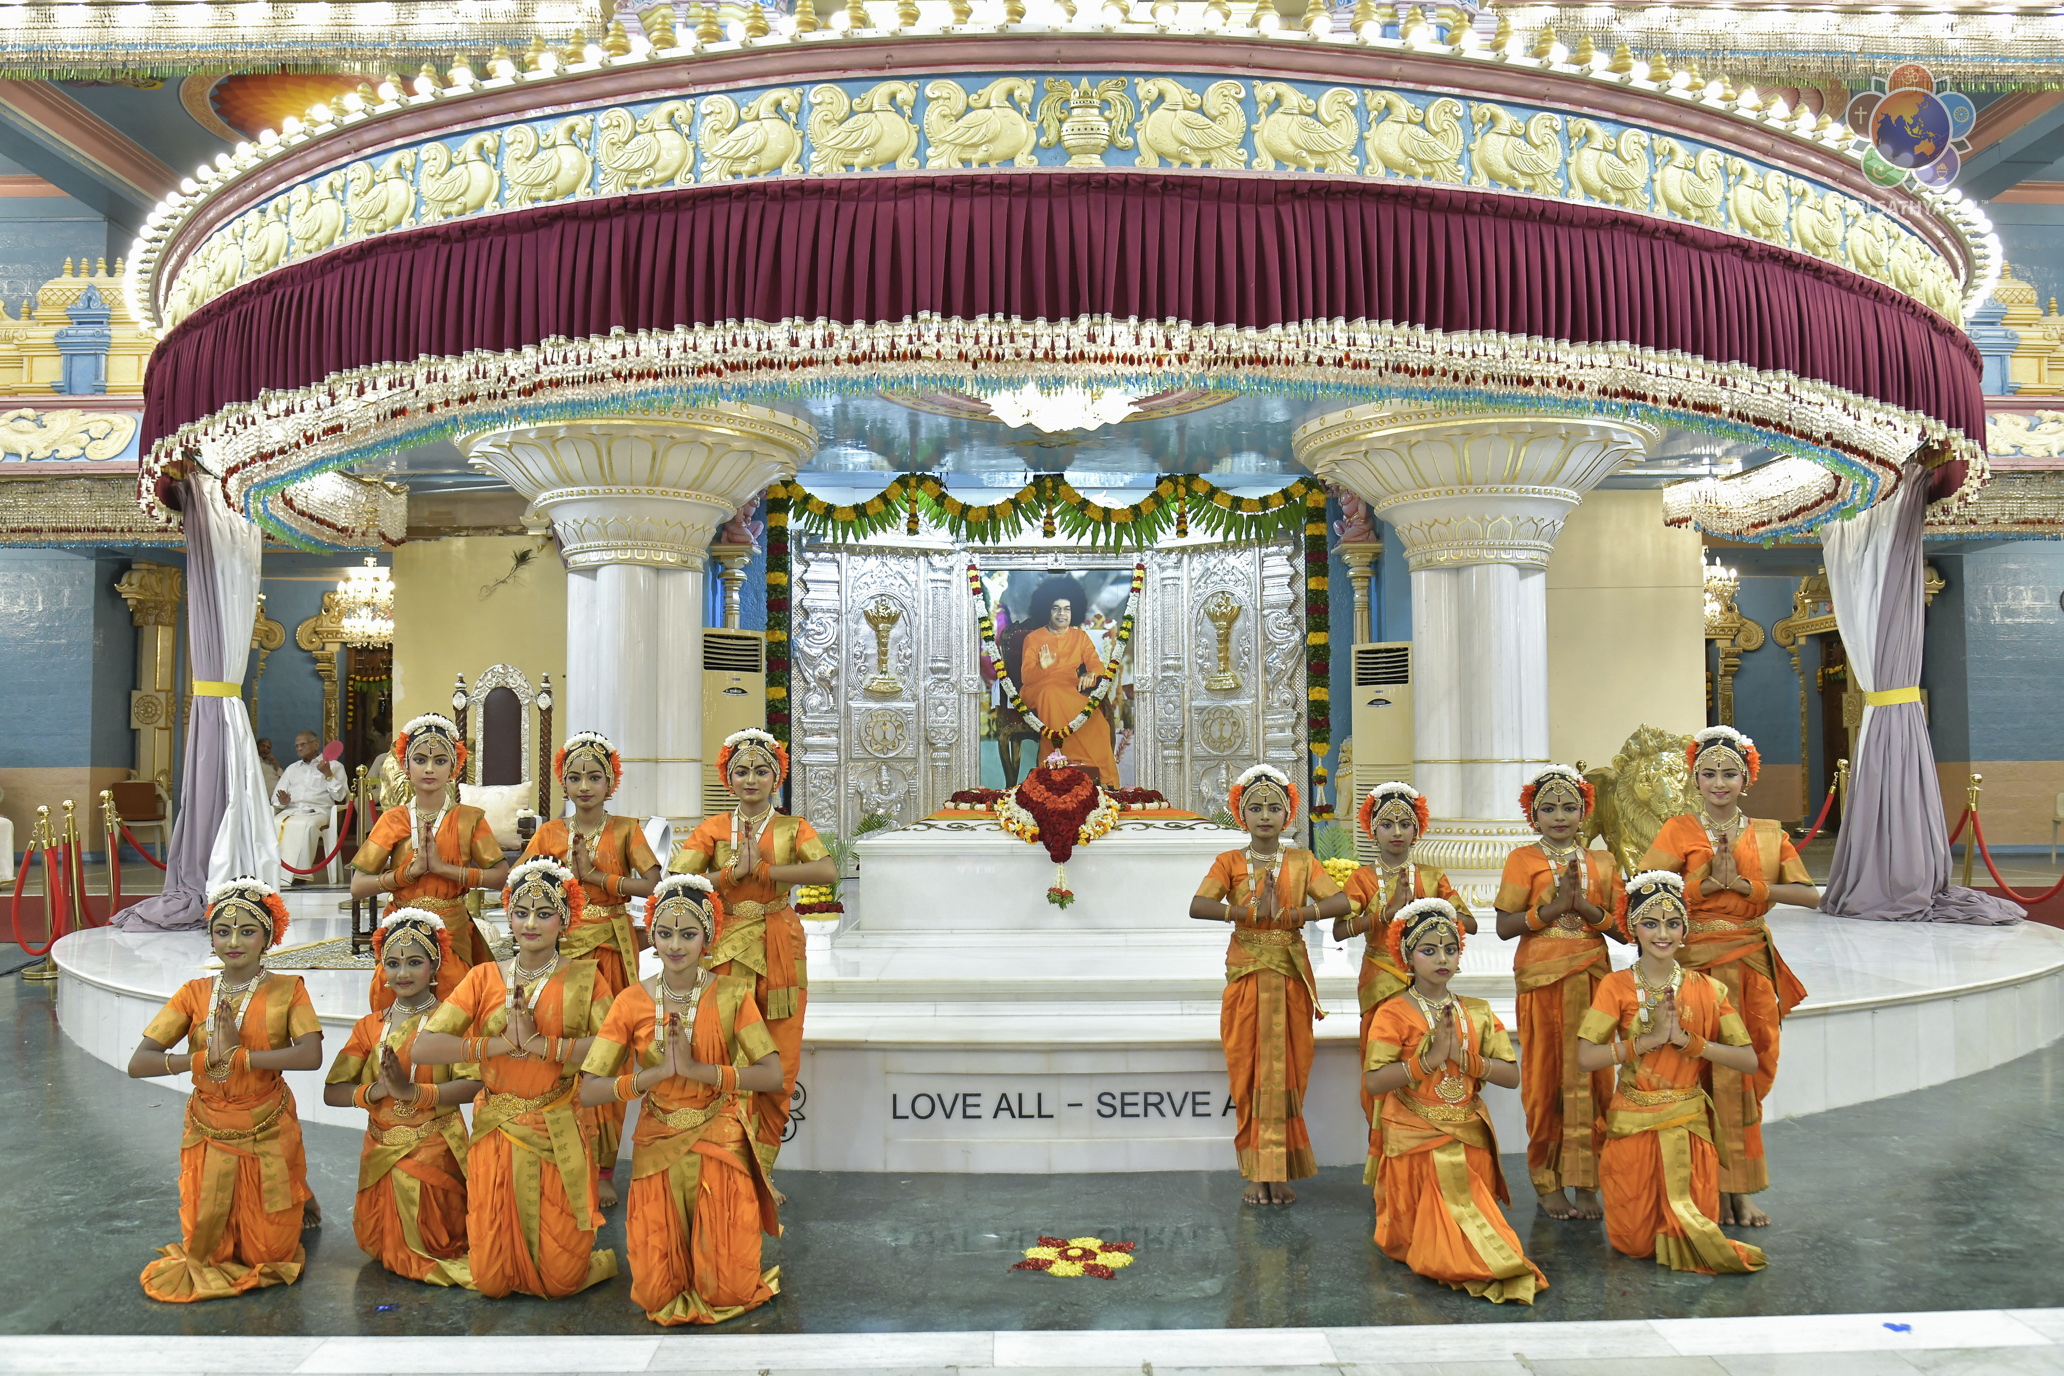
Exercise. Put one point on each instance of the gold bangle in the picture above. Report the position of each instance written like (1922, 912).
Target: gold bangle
(168, 1062)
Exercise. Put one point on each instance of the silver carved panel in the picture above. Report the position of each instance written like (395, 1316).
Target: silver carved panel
(904, 754)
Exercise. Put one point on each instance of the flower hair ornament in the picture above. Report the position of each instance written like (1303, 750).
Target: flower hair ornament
(755, 746)
(692, 894)
(589, 747)
(1649, 889)
(431, 724)
(1724, 743)
(245, 894)
(413, 929)
(1260, 780)
(1395, 800)
(1417, 918)
(1556, 781)
(546, 876)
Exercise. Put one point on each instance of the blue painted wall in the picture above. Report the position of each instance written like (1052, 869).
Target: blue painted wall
(1766, 691)
(752, 596)
(290, 695)
(37, 234)
(67, 660)
(1945, 663)
(2013, 648)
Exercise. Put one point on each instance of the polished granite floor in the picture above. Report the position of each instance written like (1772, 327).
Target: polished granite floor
(1946, 1199)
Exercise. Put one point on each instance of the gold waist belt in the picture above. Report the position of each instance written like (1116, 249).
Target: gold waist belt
(437, 905)
(1442, 1112)
(403, 1135)
(1556, 929)
(512, 1105)
(266, 1115)
(591, 906)
(1657, 1098)
(1264, 936)
(745, 910)
(685, 1118)
(1722, 924)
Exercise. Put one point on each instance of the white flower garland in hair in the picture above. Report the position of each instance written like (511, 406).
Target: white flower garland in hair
(1556, 771)
(1724, 733)
(676, 883)
(1666, 880)
(243, 883)
(752, 734)
(544, 864)
(1263, 771)
(432, 721)
(1439, 906)
(421, 915)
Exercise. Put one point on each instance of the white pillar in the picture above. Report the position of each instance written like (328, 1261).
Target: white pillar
(1478, 500)
(635, 503)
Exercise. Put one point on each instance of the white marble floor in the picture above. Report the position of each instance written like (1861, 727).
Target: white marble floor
(1952, 1343)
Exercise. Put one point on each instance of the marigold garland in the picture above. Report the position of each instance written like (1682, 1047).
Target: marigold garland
(1077, 1256)
(1317, 647)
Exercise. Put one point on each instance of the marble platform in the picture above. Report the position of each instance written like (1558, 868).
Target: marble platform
(959, 1022)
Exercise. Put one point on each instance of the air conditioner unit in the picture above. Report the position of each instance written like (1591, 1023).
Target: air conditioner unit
(734, 696)
(1382, 723)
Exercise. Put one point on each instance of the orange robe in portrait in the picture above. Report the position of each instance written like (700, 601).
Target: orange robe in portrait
(1379, 978)
(1661, 1165)
(699, 1197)
(530, 1182)
(1438, 1208)
(762, 940)
(464, 838)
(242, 1174)
(1730, 941)
(1050, 665)
(410, 1214)
(1556, 972)
(604, 933)
(1265, 1016)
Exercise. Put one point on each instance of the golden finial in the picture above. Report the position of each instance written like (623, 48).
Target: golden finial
(1659, 71)
(1412, 26)
(1750, 100)
(1727, 89)
(1218, 8)
(1501, 41)
(856, 16)
(756, 19)
(1544, 42)
(659, 29)
(806, 20)
(1585, 53)
(576, 49)
(1364, 14)
(534, 55)
(1623, 60)
(617, 43)
(707, 29)
(906, 14)
(963, 12)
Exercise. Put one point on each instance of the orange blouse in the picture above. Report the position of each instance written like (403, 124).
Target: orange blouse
(1421, 1112)
(1761, 853)
(728, 1030)
(1702, 1009)
(464, 839)
(709, 850)
(278, 1015)
(1565, 947)
(572, 1003)
(1379, 978)
(619, 850)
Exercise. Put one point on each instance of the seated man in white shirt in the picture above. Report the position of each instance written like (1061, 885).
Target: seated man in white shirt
(307, 789)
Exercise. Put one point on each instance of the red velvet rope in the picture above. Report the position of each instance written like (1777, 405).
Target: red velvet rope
(1819, 821)
(1962, 822)
(137, 846)
(1978, 830)
(343, 833)
(53, 902)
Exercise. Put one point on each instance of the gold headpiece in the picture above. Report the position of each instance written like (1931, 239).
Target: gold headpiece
(1417, 918)
(588, 747)
(684, 893)
(413, 929)
(1396, 808)
(752, 747)
(1558, 782)
(1649, 889)
(245, 895)
(1721, 752)
(1263, 781)
(539, 877)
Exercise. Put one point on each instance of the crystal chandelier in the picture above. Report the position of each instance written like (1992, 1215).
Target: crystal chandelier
(1066, 408)
(365, 596)
(1721, 583)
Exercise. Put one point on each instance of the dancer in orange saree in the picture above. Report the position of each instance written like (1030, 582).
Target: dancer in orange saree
(1661, 1025)
(528, 1023)
(1265, 1017)
(699, 1197)
(1060, 667)
(610, 858)
(243, 1178)
(410, 1214)
(1558, 898)
(1735, 868)
(1430, 1054)
(755, 855)
(1393, 816)
(429, 853)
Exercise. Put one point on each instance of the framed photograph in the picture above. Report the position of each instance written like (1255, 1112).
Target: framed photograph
(1056, 636)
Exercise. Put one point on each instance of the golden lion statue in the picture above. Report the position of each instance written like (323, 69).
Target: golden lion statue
(1645, 786)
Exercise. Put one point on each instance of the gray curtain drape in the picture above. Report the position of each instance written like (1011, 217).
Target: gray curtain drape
(204, 782)
(1892, 856)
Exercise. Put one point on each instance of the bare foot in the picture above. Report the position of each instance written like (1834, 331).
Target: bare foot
(311, 1214)
(1558, 1205)
(1256, 1193)
(1281, 1193)
(1740, 1210)
(605, 1192)
(1588, 1205)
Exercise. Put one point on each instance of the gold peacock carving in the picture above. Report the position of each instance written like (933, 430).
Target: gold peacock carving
(315, 214)
(542, 168)
(1608, 170)
(653, 151)
(1190, 130)
(265, 238)
(461, 183)
(1309, 135)
(381, 200)
(1759, 203)
(993, 125)
(1691, 185)
(1818, 221)
(1525, 157)
(1645, 786)
(1414, 142)
(873, 131)
(762, 139)
(1870, 246)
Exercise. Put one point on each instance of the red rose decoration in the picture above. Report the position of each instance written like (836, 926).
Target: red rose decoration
(1060, 801)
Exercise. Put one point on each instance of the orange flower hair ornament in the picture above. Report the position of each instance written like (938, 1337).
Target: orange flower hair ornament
(1263, 778)
(431, 724)
(548, 877)
(1556, 779)
(1646, 890)
(245, 894)
(752, 744)
(1724, 743)
(585, 747)
(1393, 799)
(1414, 920)
(692, 894)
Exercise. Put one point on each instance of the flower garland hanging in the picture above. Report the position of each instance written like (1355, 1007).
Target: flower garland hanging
(1317, 648)
(1060, 807)
(1097, 695)
(777, 612)
(1077, 1256)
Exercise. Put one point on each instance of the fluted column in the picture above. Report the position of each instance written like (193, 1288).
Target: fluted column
(1477, 500)
(635, 502)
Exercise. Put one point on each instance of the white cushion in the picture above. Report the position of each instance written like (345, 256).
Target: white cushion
(500, 802)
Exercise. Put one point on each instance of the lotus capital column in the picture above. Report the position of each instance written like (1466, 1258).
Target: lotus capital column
(635, 502)
(1477, 500)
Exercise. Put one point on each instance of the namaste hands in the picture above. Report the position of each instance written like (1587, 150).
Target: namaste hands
(579, 859)
(748, 858)
(395, 1080)
(1667, 1028)
(522, 1022)
(1447, 1038)
(1725, 874)
(223, 1035)
(680, 1048)
(1572, 906)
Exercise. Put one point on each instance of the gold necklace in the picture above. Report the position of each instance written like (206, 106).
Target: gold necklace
(688, 1002)
(1559, 856)
(1452, 1088)
(528, 978)
(1649, 997)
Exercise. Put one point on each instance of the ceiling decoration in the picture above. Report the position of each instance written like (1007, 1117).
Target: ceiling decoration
(264, 100)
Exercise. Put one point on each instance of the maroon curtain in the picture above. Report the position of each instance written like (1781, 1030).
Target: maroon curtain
(1221, 250)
